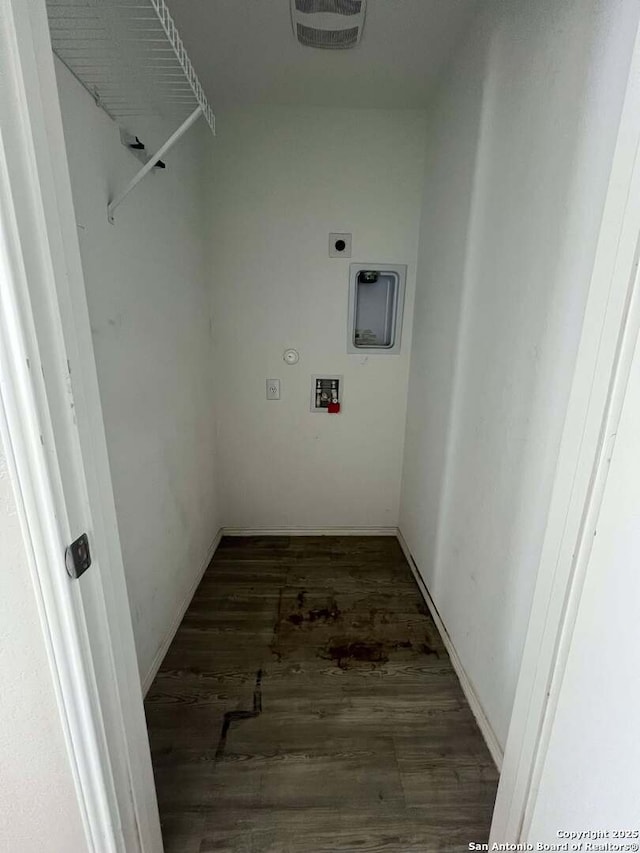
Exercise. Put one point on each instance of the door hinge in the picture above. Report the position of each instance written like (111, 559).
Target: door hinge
(77, 557)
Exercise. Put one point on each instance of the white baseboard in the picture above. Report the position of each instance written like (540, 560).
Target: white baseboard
(310, 531)
(184, 604)
(467, 687)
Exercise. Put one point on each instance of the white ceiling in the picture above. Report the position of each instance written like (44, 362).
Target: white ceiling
(244, 52)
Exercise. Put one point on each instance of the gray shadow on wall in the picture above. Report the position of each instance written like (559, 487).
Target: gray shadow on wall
(508, 244)
(453, 146)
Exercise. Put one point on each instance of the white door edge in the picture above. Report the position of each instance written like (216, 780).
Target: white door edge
(56, 435)
(44, 539)
(609, 335)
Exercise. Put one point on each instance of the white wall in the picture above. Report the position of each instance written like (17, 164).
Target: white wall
(282, 179)
(589, 779)
(519, 144)
(148, 298)
(37, 794)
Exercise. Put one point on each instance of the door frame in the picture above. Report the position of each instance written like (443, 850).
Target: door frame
(54, 431)
(60, 460)
(608, 339)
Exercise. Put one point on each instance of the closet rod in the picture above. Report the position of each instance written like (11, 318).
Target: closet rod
(151, 162)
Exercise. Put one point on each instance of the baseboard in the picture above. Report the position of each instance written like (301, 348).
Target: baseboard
(184, 604)
(467, 687)
(310, 531)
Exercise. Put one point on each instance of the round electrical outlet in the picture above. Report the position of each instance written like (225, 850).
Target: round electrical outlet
(339, 245)
(291, 356)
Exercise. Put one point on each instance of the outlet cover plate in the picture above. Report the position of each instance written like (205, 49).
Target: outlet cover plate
(273, 389)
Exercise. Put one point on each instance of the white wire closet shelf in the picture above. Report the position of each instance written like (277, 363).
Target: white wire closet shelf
(129, 55)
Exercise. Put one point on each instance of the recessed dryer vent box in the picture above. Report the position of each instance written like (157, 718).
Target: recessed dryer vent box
(376, 305)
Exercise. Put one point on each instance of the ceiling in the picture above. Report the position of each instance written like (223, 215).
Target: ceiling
(245, 53)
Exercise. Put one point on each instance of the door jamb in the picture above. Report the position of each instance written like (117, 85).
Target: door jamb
(21, 428)
(57, 442)
(608, 338)
(608, 333)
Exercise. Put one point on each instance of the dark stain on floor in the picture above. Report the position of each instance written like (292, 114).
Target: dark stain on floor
(349, 634)
(330, 613)
(231, 717)
(356, 652)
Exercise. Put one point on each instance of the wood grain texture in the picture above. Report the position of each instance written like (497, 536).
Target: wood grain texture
(307, 703)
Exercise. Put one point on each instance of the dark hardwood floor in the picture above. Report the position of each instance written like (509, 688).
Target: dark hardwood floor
(307, 703)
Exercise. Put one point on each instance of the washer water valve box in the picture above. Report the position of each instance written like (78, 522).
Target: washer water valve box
(326, 394)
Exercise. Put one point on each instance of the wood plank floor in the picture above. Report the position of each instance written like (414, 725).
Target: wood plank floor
(307, 703)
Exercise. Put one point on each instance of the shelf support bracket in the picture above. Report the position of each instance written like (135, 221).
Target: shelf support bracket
(184, 127)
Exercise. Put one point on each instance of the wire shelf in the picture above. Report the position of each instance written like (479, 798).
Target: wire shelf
(129, 56)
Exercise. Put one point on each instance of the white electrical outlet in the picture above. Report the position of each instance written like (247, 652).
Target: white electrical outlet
(273, 389)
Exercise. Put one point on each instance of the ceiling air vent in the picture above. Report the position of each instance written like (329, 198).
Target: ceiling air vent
(332, 24)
